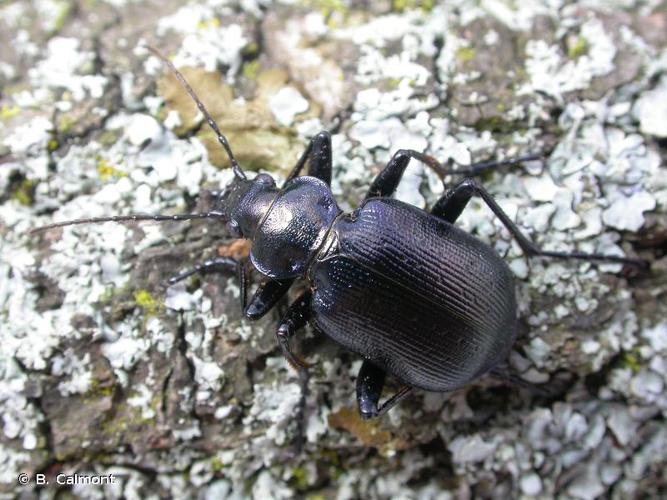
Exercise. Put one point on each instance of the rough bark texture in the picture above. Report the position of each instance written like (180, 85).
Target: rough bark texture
(106, 371)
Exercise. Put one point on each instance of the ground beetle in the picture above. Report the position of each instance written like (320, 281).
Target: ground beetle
(406, 289)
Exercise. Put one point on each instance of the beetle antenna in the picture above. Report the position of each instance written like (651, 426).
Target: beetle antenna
(125, 218)
(238, 171)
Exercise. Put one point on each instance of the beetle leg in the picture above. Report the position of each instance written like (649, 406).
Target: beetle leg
(217, 265)
(504, 374)
(318, 154)
(268, 293)
(224, 265)
(295, 318)
(387, 180)
(450, 206)
(370, 381)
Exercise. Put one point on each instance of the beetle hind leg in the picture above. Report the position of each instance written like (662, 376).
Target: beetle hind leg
(370, 381)
(452, 204)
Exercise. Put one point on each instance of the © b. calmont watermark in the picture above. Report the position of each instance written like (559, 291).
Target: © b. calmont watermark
(63, 479)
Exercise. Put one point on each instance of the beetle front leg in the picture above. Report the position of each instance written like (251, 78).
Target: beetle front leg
(295, 318)
(318, 154)
(451, 205)
(266, 296)
(370, 381)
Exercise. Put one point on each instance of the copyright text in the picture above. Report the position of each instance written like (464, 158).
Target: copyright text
(68, 479)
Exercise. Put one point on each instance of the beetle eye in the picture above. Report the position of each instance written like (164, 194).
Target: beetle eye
(265, 179)
(234, 229)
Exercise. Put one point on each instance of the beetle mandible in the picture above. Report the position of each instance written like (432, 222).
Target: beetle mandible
(415, 296)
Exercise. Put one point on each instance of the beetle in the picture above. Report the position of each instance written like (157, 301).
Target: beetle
(411, 293)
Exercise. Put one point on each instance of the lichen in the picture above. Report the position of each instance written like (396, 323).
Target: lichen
(147, 302)
(97, 358)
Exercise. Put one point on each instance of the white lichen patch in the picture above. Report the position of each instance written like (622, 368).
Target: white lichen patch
(142, 399)
(206, 41)
(627, 212)
(59, 293)
(651, 111)
(65, 68)
(275, 405)
(551, 73)
(286, 104)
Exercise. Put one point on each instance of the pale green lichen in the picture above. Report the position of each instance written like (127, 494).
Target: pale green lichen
(577, 48)
(106, 171)
(25, 192)
(465, 54)
(9, 112)
(148, 304)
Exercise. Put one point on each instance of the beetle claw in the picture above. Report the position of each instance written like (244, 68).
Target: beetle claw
(296, 363)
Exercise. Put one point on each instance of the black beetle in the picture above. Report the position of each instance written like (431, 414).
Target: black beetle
(411, 293)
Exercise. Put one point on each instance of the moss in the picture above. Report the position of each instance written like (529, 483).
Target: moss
(99, 389)
(577, 48)
(108, 138)
(630, 360)
(106, 171)
(9, 112)
(25, 192)
(208, 24)
(149, 305)
(111, 292)
(251, 69)
(65, 123)
(52, 145)
(465, 54)
(63, 14)
(251, 50)
(495, 124)
(327, 8)
(216, 464)
(426, 6)
(300, 478)
(126, 418)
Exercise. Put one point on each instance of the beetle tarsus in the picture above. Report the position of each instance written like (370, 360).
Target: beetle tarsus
(505, 374)
(318, 156)
(370, 382)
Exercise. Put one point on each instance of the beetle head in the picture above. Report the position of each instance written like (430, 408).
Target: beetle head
(244, 202)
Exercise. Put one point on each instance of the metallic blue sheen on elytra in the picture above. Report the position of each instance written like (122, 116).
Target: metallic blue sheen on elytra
(413, 294)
